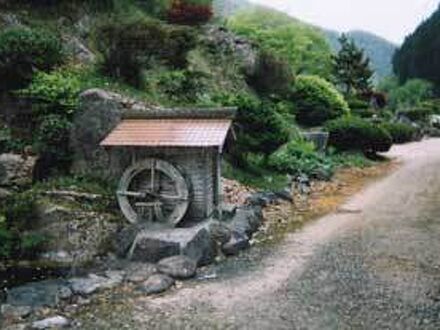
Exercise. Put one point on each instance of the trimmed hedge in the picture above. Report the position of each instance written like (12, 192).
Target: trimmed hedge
(400, 133)
(317, 101)
(259, 127)
(354, 133)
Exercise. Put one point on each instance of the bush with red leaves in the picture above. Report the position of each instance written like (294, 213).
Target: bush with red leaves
(182, 12)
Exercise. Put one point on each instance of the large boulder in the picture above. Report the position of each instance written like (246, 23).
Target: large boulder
(180, 267)
(154, 245)
(237, 243)
(16, 170)
(100, 111)
(247, 220)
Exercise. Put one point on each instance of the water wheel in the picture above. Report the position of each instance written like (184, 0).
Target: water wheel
(153, 191)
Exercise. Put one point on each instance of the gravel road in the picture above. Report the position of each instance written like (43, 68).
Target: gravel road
(373, 265)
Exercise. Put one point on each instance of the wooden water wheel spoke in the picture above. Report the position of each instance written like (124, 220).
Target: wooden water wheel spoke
(136, 194)
(171, 198)
(153, 191)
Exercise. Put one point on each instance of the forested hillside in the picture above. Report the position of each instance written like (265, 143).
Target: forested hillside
(379, 50)
(302, 45)
(419, 56)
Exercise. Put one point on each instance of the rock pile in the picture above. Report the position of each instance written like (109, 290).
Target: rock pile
(235, 193)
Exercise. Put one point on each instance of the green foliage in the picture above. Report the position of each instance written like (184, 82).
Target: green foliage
(6, 242)
(418, 114)
(299, 157)
(53, 135)
(258, 176)
(272, 75)
(259, 127)
(129, 45)
(316, 101)
(55, 98)
(351, 68)
(302, 46)
(408, 95)
(157, 8)
(353, 133)
(419, 54)
(177, 86)
(20, 210)
(9, 143)
(348, 159)
(400, 133)
(18, 215)
(22, 52)
(379, 50)
(360, 107)
(55, 92)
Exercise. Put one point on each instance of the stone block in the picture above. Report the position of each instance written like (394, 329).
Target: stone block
(154, 245)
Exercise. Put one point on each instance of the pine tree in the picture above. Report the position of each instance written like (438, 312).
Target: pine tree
(351, 68)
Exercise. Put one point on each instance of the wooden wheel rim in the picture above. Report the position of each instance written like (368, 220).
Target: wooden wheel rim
(152, 164)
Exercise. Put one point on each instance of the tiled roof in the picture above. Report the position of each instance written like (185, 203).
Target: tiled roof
(169, 133)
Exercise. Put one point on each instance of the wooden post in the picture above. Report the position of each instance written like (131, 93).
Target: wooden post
(218, 182)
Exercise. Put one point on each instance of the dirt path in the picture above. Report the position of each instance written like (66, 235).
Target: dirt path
(375, 265)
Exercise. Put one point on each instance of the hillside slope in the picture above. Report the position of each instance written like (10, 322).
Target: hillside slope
(379, 50)
(303, 46)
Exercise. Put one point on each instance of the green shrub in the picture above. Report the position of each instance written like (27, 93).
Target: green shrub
(355, 103)
(422, 111)
(353, 133)
(272, 75)
(129, 45)
(299, 157)
(400, 133)
(52, 142)
(316, 101)
(9, 143)
(177, 86)
(259, 127)
(22, 52)
(55, 92)
(417, 114)
(18, 217)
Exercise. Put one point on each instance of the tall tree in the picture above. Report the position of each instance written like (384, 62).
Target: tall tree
(351, 68)
(419, 56)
